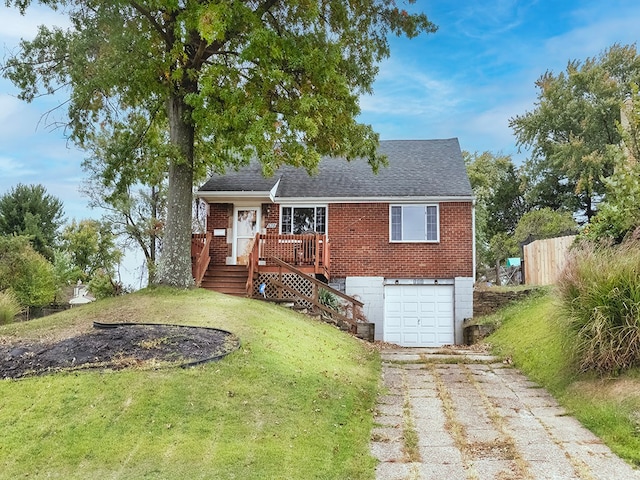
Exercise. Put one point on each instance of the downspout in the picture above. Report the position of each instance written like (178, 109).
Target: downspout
(473, 236)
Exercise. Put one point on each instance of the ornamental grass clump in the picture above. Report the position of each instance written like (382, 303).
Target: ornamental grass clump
(600, 296)
(328, 299)
(9, 307)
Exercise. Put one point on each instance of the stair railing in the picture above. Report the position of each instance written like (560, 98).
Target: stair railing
(200, 256)
(252, 264)
(353, 305)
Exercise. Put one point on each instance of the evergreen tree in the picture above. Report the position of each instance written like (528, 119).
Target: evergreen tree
(28, 210)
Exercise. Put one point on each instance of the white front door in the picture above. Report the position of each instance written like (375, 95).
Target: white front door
(246, 225)
(418, 315)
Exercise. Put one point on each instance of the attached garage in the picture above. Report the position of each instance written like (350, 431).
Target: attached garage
(419, 315)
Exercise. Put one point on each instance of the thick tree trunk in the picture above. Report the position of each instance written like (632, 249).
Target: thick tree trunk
(174, 268)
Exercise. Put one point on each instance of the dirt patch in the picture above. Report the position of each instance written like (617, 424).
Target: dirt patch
(117, 347)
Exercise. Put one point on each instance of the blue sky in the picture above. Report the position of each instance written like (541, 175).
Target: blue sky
(464, 81)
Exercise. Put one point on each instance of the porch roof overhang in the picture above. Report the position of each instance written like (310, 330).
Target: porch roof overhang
(235, 196)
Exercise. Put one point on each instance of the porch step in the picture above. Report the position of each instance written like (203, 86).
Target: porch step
(229, 279)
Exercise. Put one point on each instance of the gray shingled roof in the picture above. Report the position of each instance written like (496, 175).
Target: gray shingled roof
(417, 168)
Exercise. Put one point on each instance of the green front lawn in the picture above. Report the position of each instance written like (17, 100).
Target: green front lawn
(294, 402)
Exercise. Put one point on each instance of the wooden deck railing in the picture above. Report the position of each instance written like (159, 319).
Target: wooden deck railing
(308, 252)
(304, 250)
(200, 257)
(252, 265)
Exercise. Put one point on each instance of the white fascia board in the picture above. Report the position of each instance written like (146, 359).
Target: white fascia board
(235, 197)
(328, 200)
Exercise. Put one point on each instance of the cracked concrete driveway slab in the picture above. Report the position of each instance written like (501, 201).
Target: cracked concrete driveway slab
(479, 419)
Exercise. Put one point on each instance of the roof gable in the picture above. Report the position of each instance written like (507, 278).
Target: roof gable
(417, 168)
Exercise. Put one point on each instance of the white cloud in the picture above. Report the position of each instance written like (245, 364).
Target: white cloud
(482, 21)
(12, 169)
(590, 40)
(407, 90)
(14, 26)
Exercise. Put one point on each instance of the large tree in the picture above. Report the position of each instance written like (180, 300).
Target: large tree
(496, 184)
(91, 246)
(234, 79)
(30, 211)
(572, 127)
(618, 214)
(134, 203)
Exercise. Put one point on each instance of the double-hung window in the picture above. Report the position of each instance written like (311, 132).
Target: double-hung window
(303, 220)
(415, 223)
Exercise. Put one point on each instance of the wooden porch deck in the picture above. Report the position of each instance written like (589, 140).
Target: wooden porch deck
(304, 256)
(309, 253)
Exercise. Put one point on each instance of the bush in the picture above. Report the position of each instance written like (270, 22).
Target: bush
(103, 286)
(328, 299)
(600, 295)
(9, 307)
(27, 273)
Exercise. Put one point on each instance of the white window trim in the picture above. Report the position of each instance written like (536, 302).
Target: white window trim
(436, 205)
(315, 205)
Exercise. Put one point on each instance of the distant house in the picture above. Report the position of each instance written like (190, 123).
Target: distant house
(401, 240)
(81, 295)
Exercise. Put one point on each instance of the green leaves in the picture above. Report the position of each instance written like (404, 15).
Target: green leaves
(572, 126)
(500, 203)
(544, 223)
(278, 81)
(26, 272)
(30, 211)
(92, 247)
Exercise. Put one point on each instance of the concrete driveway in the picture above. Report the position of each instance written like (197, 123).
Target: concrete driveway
(478, 419)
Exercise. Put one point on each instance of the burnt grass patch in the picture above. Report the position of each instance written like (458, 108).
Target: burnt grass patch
(118, 346)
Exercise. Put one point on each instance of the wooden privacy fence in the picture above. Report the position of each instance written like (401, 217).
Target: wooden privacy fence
(545, 259)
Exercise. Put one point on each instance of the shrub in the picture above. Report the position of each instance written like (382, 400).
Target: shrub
(9, 307)
(328, 299)
(26, 272)
(103, 286)
(600, 295)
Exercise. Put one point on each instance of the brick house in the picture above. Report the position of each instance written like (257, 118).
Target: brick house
(401, 240)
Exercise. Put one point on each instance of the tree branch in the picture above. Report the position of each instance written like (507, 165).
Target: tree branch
(156, 25)
(265, 7)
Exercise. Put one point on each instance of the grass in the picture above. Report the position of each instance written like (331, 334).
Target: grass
(9, 307)
(294, 402)
(535, 337)
(411, 438)
(600, 293)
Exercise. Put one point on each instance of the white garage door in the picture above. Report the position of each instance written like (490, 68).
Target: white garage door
(418, 315)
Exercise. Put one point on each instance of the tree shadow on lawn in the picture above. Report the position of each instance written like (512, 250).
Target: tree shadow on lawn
(118, 346)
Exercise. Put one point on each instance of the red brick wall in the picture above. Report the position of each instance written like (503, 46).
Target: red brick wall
(220, 216)
(359, 236)
(270, 216)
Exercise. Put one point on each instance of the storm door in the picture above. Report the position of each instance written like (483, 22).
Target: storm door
(247, 224)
